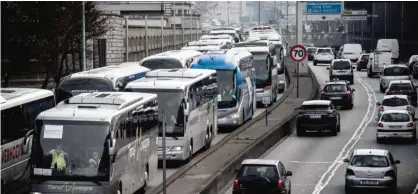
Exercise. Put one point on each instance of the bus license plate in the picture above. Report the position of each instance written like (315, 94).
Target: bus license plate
(369, 182)
(315, 116)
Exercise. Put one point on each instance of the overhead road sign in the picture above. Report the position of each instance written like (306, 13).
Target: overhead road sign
(355, 12)
(323, 10)
(354, 18)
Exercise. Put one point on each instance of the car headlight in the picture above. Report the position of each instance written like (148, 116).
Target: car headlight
(235, 115)
(176, 148)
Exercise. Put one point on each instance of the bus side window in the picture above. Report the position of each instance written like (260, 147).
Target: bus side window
(12, 124)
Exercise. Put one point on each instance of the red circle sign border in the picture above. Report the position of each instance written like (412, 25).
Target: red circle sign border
(304, 50)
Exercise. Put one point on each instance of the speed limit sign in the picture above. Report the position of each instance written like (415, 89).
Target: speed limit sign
(298, 53)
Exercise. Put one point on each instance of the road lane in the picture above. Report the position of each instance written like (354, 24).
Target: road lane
(159, 175)
(309, 157)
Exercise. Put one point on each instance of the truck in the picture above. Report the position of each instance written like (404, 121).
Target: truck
(377, 60)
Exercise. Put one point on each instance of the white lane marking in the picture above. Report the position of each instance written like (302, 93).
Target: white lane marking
(352, 141)
(306, 162)
(415, 190)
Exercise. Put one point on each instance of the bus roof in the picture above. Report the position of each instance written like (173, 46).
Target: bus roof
(181, 55)
(112, 72)
(174, 79)
(11, 97)
(97, 106)
(220, 59)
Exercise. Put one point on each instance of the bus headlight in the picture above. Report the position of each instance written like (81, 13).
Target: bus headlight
(176, 148)
(35, 193)
(235, 115)
(281, 82)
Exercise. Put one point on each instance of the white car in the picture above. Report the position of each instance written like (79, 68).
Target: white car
(393, 72)
(395, 102)
(396, 124)
(323, 55)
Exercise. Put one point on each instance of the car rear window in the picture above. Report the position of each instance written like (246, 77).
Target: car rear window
(335, 88)
(369, 161)
(324, 51)
(401, 86)
(341, 65)
(365, 57)
(395, 102)
(395, 117)
(315, 107)
(396, 71)
(269, 171)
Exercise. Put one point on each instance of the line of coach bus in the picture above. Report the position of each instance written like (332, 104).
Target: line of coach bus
(99, 130)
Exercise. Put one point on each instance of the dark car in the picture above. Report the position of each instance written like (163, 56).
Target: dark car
(414, 69)
(339, 93)
(311, 53)
(403, 87)
(257, 176)
(362, 63)
(317, 115)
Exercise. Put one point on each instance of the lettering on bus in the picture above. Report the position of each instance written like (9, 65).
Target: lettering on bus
(11, 153)
(70, 187)
(194, 120)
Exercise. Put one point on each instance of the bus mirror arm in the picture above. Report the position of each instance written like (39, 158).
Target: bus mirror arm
(25, 147)
(111, 147)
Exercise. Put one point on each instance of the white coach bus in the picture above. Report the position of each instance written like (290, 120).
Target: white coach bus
(188, 99)
(101, 142)
(19, 108)
(170, 59)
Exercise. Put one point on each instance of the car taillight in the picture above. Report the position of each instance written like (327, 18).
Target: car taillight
(350, 95)
(349, 172)
(390, 173)
(381, 108)
(235, 183)
(380, 124)
(410, 124)
(408, 108)
(267, 87)
(280, 184)
(388, 91)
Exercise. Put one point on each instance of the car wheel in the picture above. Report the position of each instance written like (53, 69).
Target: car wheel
(379, 140)
(415, 76)
(351, 80)
(382, 89)
(315, 63)
(369, 73)
(334, 131)
(414, 138)
(338, 128)
(299, 132)
(348, 190)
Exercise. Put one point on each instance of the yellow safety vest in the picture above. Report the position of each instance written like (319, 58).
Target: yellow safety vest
(59, 160)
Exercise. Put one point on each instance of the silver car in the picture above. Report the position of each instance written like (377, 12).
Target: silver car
(396, 124)
(371, 168)
(395, 102)
(391, 73)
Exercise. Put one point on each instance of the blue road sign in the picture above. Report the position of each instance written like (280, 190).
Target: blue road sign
(323, 7)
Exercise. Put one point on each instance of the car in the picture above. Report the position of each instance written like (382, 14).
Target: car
(339, 93)
(317, 115)
(311, 53)
(371, 168)
(396, 124)
(393, 72)
(395, 102)
(323, 55)
(341, 69)
(362, 61)
(405, 87)
(262, 176)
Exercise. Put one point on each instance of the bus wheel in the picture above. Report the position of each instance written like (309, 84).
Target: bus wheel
(208, 139)
(119, 189)
(143, 189)
(190, 154)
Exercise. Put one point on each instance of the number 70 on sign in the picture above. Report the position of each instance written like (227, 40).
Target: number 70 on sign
(298, 53)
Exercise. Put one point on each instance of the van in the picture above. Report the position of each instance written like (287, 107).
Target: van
(377, 60)
(341, 69)
(351, 51)
(393, 72)
(389, 45)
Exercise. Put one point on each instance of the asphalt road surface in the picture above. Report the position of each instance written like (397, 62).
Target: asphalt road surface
(316, 161)
(173, 168)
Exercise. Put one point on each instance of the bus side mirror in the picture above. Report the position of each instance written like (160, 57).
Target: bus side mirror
(185, 107)
(111, 147)
(27, 141)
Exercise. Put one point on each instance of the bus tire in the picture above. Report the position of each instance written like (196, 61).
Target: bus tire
(190, 156)
(144, 187)
(208, 139)
(119, 189)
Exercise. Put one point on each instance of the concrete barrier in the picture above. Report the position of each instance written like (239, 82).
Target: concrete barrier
(258, 147)
(200, 157)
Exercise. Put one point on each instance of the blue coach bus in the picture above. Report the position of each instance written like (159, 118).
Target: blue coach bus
(236, 84)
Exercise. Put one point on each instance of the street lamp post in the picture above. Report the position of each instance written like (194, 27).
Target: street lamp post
(84, 36)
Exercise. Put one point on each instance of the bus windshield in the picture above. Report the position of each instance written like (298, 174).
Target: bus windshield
(153, 64)
(72, 87)
(70, 149)
(261, 69)
(227, 89)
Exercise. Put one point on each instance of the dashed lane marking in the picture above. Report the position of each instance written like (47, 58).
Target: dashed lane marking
(307, 162)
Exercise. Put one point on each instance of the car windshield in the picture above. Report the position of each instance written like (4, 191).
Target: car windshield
(396, 71)
(261, 65)
(169, 103)
(340, 65)
(72, 87)
(369, 161)
(324, 51)
(335, 88)
(395, 117)
(402, 86)
(71, 149)
(226, 89)
(395, 102)
(153, 64)
(268, 171)
(315, 107)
